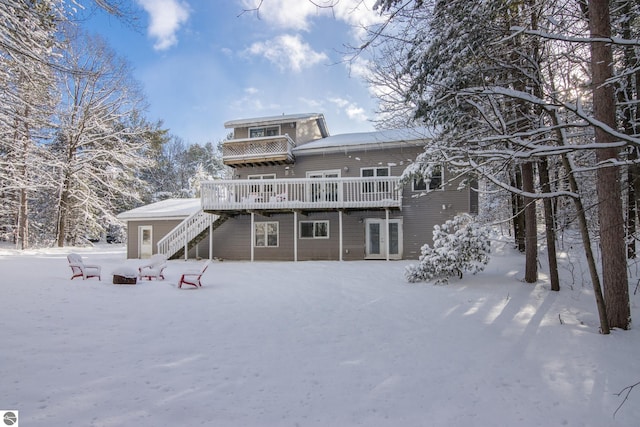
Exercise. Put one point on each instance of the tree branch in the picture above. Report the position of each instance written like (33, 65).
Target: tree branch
(628, 390)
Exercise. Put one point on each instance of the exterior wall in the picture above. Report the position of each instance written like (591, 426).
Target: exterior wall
(348, 163)
(307, 131)
(232, 240)
(419, 214)
(300, 132)
(160, 229)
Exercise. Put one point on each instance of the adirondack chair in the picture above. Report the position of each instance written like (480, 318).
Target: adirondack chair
(80, 269)
(153, 268)
(193, 277)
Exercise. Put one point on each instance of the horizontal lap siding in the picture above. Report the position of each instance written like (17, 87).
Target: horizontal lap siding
(397, 160)
(319, 249)
(300, 132)
(419, 215)
(231, 239)
(160, 229)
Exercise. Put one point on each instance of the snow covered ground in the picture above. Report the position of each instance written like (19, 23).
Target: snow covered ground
(306, 344)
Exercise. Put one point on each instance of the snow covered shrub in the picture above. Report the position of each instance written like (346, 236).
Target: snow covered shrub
(460, 244)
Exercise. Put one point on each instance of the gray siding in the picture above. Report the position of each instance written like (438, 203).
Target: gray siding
(160, 229)
(232, 240)
(419, 214)
(300, 132)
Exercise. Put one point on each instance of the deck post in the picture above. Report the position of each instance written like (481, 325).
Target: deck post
(388, 237)
(340, 230)
(186, 247)
(211, 241)
(253, 233)
(295, 236)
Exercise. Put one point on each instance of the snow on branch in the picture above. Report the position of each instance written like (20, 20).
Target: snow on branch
(573, 39)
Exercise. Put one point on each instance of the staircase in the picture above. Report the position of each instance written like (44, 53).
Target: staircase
(188, 234)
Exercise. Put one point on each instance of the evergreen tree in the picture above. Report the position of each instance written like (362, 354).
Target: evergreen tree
(459, 245)
(27, 43)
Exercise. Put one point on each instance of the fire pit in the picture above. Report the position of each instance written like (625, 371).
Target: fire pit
(125, 276)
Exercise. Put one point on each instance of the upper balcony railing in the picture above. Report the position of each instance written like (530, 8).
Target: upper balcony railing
(266, 149)
(301, 193)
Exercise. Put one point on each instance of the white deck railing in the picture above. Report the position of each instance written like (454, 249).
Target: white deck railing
(184, 232)
(302, 193)
(262, 148)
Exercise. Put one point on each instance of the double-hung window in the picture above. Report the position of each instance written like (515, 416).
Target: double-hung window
(262, 188)
(266, 234)
(314, 229)
(375, 187)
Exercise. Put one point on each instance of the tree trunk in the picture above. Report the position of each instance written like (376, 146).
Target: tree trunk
(22, 236)
(588, 250)
(531, 229)
(63, 212)
(517, 208)
(632, 208)
(614, 272)
(21, 140)
(627, 100)
(61, 229)
(584, 230)
(550, 231)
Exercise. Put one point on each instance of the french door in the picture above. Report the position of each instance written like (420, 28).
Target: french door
(324, 191)
(378, 240)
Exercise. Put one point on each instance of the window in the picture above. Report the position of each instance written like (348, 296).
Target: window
(266, 234)
(262, 188)
(264, 131)
(373, 187)
(314, 229)
(433, 183)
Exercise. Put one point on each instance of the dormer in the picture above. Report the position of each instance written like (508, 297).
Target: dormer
(270, 140)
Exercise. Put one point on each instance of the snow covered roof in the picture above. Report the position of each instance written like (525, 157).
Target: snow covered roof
(262, 121)
(165, 209)
(366, 140)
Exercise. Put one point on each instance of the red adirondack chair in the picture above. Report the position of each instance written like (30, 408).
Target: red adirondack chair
(153, 268)
(193, 277)
(80, 269)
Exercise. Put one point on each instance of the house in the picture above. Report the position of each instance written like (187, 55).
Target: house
(298, 193)
(149, 225)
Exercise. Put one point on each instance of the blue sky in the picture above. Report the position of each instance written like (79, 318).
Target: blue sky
(203, 62)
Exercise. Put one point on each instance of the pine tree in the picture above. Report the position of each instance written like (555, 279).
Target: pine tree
(27, 43)
(459, 245)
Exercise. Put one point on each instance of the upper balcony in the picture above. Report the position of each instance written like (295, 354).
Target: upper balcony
(266, 150)
(304, 194)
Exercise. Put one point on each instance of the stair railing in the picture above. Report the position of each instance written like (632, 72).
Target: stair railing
(183, 233)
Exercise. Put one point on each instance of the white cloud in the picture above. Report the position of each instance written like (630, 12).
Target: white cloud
(166, 17)
(359, 67)
(288, 52)
(311, 103)
(351, 109)
(340, 102)
(287, 14)
(297, 14)
(251, 104)
(356, 113)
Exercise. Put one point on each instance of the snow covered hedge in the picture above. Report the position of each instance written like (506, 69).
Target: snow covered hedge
(459, 245)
